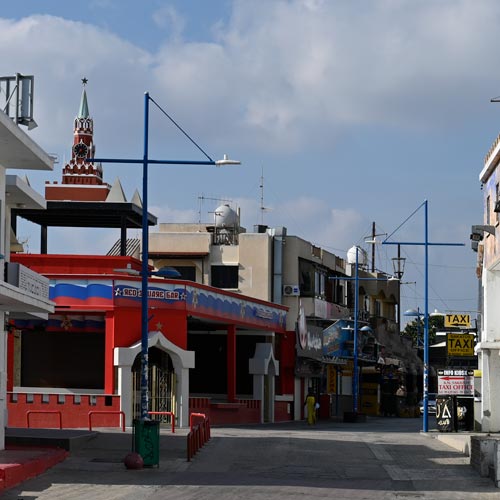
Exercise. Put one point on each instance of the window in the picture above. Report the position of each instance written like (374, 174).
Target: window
(225, 276)
(488, 208)
(497, 197)
(306, 278)
(186, 272)
(335, 290)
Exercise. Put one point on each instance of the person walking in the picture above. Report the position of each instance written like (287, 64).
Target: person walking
(310, 404)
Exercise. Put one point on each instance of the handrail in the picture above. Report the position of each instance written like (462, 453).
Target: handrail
(172, 417)
(110, 412)
(28, 413)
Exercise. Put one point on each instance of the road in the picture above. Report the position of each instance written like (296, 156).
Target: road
(384, 458)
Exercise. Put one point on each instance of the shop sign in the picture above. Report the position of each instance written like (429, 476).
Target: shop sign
(331, 379)
(309, 337)
(310, 342)
(457, 320)
(27, 280)
(460, 344)
(456, 382)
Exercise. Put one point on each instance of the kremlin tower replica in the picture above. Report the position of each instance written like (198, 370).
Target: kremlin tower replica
(81, 179)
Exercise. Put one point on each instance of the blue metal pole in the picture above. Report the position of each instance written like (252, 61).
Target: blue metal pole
(355, 353)
(426, 325)
(145, 252)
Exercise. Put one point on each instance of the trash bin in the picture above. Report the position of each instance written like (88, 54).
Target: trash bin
(445, 413)
(465, 413)
(146, 441)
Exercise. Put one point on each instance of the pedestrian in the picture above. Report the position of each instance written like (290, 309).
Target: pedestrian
(310, 404)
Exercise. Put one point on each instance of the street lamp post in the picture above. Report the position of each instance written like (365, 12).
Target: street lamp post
(146, 161)
(426, 244)
(356, 329)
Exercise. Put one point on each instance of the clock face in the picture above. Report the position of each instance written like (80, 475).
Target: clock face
(80, 150)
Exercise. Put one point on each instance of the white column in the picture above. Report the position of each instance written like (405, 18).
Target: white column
(258, 394)
(125, 392)
(182, 396)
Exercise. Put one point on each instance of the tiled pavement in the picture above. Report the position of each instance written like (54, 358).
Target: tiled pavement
(380, 459)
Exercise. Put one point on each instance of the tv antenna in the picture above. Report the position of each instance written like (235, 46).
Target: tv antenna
(201, 200)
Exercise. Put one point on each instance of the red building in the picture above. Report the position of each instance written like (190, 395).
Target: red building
(210, 351)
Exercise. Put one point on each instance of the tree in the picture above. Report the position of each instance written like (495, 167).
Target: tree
(415, 329)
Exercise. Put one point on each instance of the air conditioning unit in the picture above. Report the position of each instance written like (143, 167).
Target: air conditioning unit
(291, 290)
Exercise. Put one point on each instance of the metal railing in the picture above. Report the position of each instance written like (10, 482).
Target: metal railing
(28, 413)
(172, 417)
(199, 434)
(110, 412)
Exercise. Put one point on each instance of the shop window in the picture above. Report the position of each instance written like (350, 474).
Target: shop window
(224, 276)
(62, 359)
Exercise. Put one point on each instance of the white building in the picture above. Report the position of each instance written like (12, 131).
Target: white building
(485, 241)
(22, 291)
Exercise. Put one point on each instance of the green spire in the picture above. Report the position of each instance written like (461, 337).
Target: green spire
(84, 107)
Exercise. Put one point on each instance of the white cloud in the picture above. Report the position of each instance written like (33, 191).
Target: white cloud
(278, 78)
(169, 19)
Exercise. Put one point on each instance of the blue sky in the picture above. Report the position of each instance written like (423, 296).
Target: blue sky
(354, 111)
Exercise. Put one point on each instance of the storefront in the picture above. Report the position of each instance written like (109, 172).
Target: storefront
(209, 350)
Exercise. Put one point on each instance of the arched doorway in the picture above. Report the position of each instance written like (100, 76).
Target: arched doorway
(161, 383)
(182, 361)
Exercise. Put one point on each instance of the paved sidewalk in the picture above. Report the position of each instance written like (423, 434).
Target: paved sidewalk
(383, 458)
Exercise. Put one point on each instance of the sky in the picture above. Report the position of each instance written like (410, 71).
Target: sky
(343, 113)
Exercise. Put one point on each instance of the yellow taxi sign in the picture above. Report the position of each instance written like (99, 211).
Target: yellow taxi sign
(454, 320)
(460, 344)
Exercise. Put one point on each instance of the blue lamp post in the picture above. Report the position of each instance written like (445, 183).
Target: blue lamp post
(426, 244)
(356, 329)
(146, 161)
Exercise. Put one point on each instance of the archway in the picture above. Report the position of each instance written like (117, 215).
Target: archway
(181, 360)
(161, 384)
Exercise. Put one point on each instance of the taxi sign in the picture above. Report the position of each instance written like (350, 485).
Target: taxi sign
(457, 320)
(460, 344)
(456, 382)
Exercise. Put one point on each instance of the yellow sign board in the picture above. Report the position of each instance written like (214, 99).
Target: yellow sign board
(460, 344)
(460, 320)
(331, 379)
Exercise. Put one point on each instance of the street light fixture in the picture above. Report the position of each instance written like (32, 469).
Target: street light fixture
(415, 313)
(146, 161)
(356, 330)
(426, 244)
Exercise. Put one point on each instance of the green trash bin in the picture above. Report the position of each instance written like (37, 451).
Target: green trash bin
(146, 441)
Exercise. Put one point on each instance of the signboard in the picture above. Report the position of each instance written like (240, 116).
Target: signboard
(460, 344)
(331, 379)
(456, 382)
(457, 320)
(338, 341)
